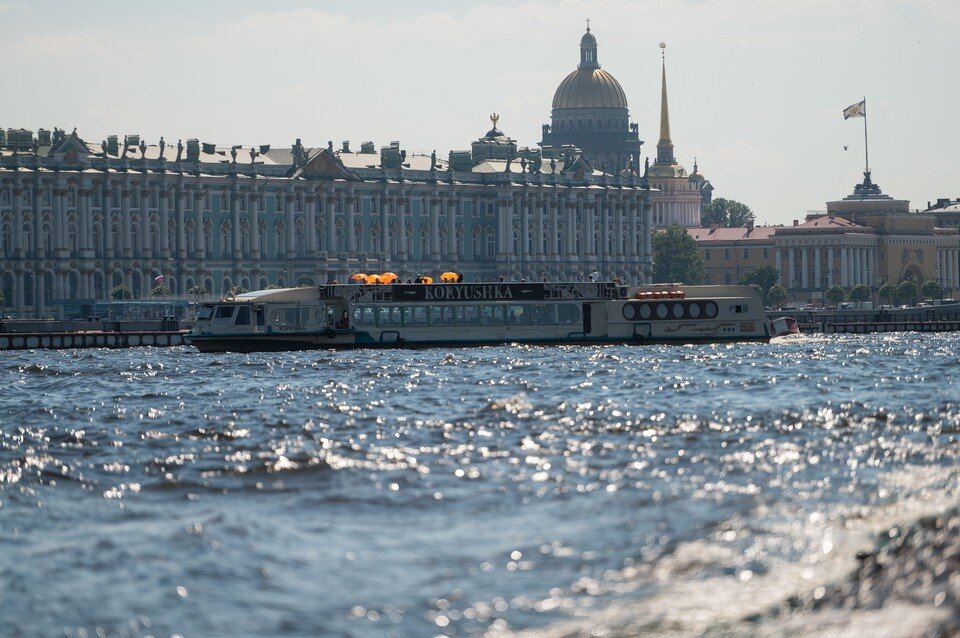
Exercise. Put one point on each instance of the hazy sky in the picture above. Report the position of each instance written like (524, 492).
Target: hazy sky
(756, 88)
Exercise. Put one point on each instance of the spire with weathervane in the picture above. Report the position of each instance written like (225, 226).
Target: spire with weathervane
(665, 145)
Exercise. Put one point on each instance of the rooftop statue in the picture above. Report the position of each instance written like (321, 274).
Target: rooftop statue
(143, 149)
(253, 155)
(299, 154)
(162, 145)
(179, 150)
(523, 164)
(103, 147)
(233, 154)
(433, 160)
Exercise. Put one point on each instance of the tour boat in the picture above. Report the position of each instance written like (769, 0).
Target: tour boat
(466, 314)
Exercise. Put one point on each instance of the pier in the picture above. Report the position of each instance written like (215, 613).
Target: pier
(57, 335)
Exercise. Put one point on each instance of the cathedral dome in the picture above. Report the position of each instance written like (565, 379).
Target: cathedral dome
(589, 88)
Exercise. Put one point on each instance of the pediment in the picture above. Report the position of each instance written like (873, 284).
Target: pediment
(70, 150)
(325, 165)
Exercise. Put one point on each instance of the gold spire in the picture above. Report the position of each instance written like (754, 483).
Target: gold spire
(665, 145)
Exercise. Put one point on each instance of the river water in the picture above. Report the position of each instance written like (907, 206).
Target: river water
(800, 488)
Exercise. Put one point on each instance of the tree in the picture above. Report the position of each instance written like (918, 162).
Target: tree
(907, 292)
(727, 213)
(236, 290)
(932, 289)
(835, 294)
(272, 287)
(676, 258)
(198, 291)
(860, 293)
(764, 278)
(776, 296)
(887, 291)
(120, 292)
(161, 291)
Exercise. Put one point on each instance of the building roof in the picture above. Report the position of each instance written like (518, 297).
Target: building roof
(589, 89)
(718, 234)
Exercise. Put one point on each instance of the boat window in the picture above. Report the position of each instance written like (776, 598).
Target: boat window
(446, 315)
(568, 313)
(259, 313)
(369, 316)
(497, 315)
(419, 316)
(542, 314)
(678, 310)
(516, 315)
(356, 316)
(224, 312)
(471, 316)
(243, 316)
(661, 311)
(395, 318)
(205, 312)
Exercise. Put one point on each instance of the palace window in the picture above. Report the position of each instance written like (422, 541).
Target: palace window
(726, 253)
(706, 255)
(746, 254)
(766, 253)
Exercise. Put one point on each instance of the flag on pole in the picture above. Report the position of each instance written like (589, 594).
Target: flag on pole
(855, 110)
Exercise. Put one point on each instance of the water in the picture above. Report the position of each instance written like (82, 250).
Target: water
(717, 489)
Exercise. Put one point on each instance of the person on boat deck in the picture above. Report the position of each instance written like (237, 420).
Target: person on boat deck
(595, 276)
(344, 321)
(460, 278)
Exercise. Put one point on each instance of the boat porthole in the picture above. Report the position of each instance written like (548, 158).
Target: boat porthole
(694, 310)
(645, 311)
(711, 310)
(678, 310)
(629, 311)
(662, 310)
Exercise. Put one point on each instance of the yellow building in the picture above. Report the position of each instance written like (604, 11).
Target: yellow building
(728, 253)
(865, 238)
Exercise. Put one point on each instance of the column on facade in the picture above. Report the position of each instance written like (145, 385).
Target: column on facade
(310, 224)
(451, 215)
(330, 211)
(778, 262)
(349, 219)
(199, 246)
(553, 211)
(817, 280)
(791, 268)
(181, 229)
(859, 265)
(589, 217)
(146, 247)
(86, 223)
(58, 221)
(164, 206)
(18, 246)
(955, 266)
(570, 211)
(504, 206)
(235, 220)
(829, 266)
(804, 269)
(434, 230)
(538, 228)
(400, 206)
(647, 256)
(602, 208)
(290, 223)
(384, 224)
(844, 282)
(125, 232)
(253, 214)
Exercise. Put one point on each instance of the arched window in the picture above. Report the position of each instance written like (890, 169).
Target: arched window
(226, 240)
(375, 238)
(245, 238)
(476, 242)
(459, 242)
(299, 242)
(424, 242)
(6, 239)
(262, 239)
(280, 240)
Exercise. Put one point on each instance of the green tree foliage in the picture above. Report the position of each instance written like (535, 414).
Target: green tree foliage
(272, 287)
(932, 289)
(764, 278)
(776, 296)
(120, 292)
(860, 293)
(835, 294)
(161, 291)
(676, 258)
(907, 292)
(887, 291)
(727, 213)
(198, 291)
(237, 290)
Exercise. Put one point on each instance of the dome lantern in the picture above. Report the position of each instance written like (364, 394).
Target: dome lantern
(588, 50)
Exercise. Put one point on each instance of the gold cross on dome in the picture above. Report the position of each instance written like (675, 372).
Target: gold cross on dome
(588, 25)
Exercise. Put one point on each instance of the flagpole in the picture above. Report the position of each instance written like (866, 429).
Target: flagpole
(866, 147)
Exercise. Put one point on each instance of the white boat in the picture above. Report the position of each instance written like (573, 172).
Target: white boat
(466, 314)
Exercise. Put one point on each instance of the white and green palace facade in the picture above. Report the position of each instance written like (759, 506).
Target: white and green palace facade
(77, 219)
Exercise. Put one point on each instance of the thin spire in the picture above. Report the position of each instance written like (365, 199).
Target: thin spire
(665, 145)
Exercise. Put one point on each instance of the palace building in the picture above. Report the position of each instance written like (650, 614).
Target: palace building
(866, 238)
(78, 219)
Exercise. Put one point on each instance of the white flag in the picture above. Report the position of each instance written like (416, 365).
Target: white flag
(855, 110)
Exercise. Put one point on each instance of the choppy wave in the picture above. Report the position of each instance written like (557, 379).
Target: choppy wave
(691, 489)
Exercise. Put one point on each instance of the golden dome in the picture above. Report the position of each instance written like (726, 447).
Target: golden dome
(589, 88)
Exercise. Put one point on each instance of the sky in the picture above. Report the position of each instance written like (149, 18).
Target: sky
(756, 89)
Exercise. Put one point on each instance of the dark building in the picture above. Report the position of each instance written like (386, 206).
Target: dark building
(590, 112)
